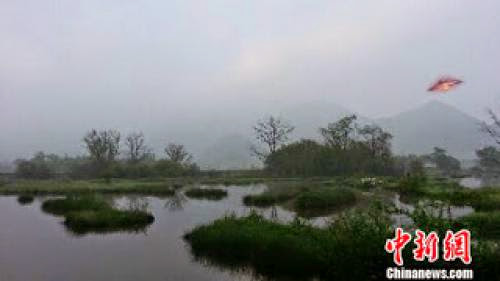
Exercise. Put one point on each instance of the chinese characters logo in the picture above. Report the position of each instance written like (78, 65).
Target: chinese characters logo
(455, 246)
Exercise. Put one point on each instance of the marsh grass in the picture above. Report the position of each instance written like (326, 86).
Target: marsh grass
(25, 199)
(206, 193)
(484, 224)
(276, 193)
(63, 206)
(63, 187)
(324, 199)
(294, 249)
(107, 220)
(91, 213)
(350, 248)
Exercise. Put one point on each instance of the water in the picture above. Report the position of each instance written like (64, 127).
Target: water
(36, 246)
(448, 211)
(471, 182)
(474, 183)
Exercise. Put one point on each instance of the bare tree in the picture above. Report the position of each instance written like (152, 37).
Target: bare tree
(136, 148)
(339, 134)
(493, 129)
(177, 153)
(272, 132)
(102, 145)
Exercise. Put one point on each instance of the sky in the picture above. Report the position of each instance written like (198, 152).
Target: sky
(166, 66)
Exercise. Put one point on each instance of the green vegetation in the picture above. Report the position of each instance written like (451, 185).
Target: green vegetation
(25, 199)
(278, 192)
(92, 213)
(62, 187)
(484, 224)
(107, 220)
(326, 199)
(348, 249)
(206, 193)
(70, 204)
(294, 249)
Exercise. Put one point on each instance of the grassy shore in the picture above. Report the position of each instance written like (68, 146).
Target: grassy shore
(63, 187)
(348, 249)
(154, 186)
(91, 213)
(206, 193)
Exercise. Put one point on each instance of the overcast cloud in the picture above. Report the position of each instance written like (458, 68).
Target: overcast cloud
(161, 66)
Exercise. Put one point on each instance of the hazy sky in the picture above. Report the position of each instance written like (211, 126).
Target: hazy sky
(68, 66)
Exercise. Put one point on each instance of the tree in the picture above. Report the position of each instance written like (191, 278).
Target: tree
(136, 148)
(35, 168)
(301, 158)
(493, 129)
(448, 165)
(272, 132)
(103, 146)
(377, 140)
(339, 134)
(177, 153)
(489, 161)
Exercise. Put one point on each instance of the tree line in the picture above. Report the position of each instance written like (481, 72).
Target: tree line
(348, 148)
(102, 160)
(345, 148)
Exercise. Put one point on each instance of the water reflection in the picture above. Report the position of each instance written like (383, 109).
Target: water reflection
(29, 236)
(435, 208)
(474, 183)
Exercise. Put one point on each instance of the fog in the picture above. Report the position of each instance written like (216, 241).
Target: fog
(194, 71)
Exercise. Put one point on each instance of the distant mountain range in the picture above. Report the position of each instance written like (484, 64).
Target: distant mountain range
(415, 132)
(435, 124)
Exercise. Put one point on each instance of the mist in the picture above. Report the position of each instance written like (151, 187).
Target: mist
(196, 71)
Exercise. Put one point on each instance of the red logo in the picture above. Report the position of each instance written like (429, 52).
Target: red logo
(455, 245)
(397, 245)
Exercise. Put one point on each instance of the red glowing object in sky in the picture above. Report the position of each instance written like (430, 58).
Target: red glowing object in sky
(445, 84)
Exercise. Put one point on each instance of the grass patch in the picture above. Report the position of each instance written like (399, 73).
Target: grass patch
(25, 199)
(275, 193)
(484, 224)
(295, 249)
(90, 213)
(107, 220)
(64, 187)
(206, 193)
(324, 199)
(70, 204)
(350, 248)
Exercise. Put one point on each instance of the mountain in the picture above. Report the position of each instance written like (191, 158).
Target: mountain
(434, 124)
(229, 152)
(416, 131)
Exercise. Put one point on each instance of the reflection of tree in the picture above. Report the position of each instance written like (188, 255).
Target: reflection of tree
(176, 202)
(138, 203)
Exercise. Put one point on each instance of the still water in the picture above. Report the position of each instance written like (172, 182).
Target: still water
(36, 246)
